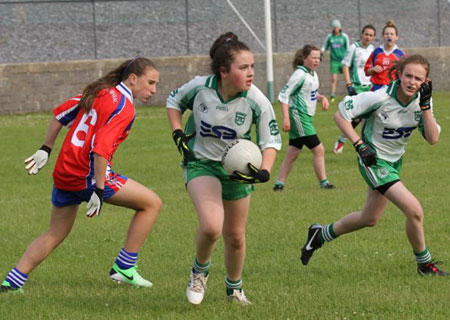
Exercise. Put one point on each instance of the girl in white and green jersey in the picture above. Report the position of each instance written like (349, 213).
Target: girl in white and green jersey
(354, 74)
(298, 100)
(224, 107)
(391, 115)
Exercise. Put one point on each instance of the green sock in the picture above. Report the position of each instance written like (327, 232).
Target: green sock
(324, 182)
(232, 285)
(423, 256)
(328, 233)
(279, 183)
(201, 267)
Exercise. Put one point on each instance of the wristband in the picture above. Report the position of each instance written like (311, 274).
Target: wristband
(46, 149)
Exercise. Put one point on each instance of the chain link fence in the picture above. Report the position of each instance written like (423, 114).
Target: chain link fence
(39, 31)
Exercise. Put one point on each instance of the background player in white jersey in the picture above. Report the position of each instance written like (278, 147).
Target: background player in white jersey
(391, 115)
(298, 100)
(224, 106)
(355, 78)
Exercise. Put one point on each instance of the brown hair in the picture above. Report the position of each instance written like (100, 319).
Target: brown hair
(391, 24)
(302, 54)
(136, 66)
(369, 26)
(222, 51)
(399, 65)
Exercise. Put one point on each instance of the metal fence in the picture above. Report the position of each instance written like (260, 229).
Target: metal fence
(37, 31)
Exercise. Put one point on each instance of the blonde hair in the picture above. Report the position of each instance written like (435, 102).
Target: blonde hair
(399, 65)
(391, 24)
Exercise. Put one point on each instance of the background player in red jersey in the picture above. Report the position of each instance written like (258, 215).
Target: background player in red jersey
(382, 58)
(99, 120)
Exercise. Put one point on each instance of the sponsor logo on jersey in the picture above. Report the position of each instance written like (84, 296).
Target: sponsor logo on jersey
(314, 95)
(273, 127)
(219, 132)
(239, 119)
(202, 108)
(382, 173)
(113, 95)
(397, 133)
(221, 107)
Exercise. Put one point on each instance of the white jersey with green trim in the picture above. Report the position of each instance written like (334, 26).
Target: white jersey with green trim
(301, 91)
(388, 124)
(355, 58)
(218, 122)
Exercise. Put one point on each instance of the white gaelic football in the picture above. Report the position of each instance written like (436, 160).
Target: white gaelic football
(238, 154)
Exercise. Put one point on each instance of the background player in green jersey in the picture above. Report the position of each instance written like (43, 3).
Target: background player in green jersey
(391, 115)
(355, 78)
(337, 42)
(298, 100)
(224, 105)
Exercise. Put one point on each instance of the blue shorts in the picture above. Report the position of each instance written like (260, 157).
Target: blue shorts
(62, 198)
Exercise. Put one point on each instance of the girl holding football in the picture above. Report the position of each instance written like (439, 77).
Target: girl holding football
(98, 120)
(391, 116)
(224, 106)
(298, 100)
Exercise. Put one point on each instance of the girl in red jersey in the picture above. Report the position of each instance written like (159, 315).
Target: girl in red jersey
(382, 58)
(99, 120)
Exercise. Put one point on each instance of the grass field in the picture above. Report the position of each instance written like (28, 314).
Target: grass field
(365, 275)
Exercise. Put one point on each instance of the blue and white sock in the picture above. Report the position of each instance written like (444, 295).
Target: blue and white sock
(16, 278)
(126, 260)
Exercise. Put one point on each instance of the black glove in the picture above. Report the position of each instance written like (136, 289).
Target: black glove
(351, 90)
(254, 176)
(425, 95)
(181, 140)
(365, 152)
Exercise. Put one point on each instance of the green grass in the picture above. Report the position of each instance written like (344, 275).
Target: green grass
(369, 274)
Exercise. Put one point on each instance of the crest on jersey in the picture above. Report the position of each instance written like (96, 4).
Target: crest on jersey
(273, 127)
(382, 173)
(384, 117)
(202, 107)
(417, 115)
(239, 119)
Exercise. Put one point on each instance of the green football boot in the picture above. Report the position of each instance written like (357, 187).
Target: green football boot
(129, 276)
(6, 287)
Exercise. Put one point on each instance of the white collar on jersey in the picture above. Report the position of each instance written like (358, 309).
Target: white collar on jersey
(125, 91)
(388, 52)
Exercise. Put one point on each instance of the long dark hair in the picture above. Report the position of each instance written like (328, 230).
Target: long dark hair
(223, 50)
(302, 54)
(136, 65)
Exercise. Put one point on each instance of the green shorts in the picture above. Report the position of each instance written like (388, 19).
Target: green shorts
(336, 67)
(301, 124)
(381, 173)
(231, 190)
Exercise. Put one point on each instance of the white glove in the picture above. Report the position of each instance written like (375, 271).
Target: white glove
(38, 160)
(95, 203)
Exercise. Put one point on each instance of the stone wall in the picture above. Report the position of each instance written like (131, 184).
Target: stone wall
(32, 87)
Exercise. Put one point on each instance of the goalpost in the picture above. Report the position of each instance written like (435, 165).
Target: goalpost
(267, 47)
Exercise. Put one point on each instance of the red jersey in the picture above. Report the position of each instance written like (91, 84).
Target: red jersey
(99, 131)
(380, 57)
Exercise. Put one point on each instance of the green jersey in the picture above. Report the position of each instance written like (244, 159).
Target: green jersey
(301, 91)
(355, 59)
(338, 45)
(389, 124)
(217, 122)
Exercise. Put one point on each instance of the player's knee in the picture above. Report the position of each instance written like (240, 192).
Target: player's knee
(211, 233)
(371, 222)
(235, 240)
(416, 214)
